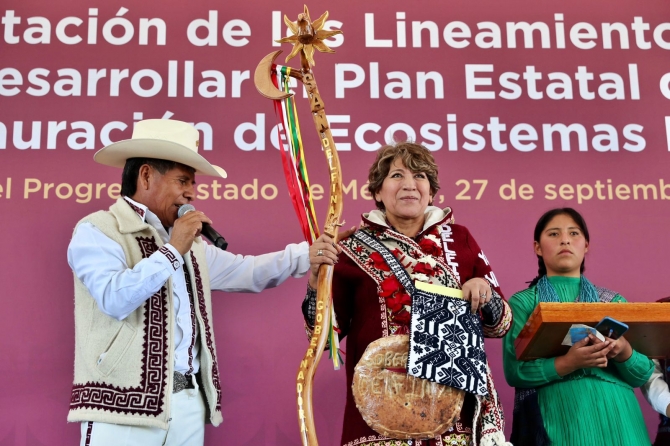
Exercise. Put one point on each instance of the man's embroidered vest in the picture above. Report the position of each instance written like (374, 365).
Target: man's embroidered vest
(123, 370)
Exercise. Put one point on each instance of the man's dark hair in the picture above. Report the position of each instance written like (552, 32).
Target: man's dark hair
(132, 170)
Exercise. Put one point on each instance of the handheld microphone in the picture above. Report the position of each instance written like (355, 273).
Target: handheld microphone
(207, 230)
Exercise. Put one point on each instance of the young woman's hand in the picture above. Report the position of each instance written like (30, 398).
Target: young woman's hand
(621, 349)
(582, 355)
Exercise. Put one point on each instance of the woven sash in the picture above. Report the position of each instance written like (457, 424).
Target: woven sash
(446, 339)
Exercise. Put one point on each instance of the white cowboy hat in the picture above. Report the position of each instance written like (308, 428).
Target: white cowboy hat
(165, 139)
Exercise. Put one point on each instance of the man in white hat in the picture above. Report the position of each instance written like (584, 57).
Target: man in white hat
(145, 367)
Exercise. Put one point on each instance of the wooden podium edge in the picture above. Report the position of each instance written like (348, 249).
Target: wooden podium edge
(547, 313)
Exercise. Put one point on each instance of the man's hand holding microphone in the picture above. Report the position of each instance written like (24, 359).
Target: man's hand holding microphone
(191, 224)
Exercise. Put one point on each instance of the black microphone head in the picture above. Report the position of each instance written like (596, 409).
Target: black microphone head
(184, 208)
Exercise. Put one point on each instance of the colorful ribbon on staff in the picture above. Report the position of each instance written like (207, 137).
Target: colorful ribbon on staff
(297, 180)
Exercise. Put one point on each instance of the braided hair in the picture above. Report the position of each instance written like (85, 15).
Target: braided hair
(542, 225)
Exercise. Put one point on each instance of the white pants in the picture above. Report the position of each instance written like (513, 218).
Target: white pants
(185, 428)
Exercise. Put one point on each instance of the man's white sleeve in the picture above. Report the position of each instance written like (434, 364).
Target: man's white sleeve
(656, 390)
(237, 273)
(99, 262)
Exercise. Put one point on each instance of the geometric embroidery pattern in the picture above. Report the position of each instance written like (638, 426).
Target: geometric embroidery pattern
(605, 295)
(447, 344)
(138, 211)
(147, 398)
(147, 245)
(208, 333)
(449, 439)
(378, 440)
(189, 288)
(490, 411)
(171, 257)
(500, 328)
(89, 431)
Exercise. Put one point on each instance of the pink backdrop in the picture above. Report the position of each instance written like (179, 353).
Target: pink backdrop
(622, 90)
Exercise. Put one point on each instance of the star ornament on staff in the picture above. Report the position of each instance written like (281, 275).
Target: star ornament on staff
(307, 36)
(272, 81)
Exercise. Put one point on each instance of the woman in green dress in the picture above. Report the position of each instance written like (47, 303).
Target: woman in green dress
(585, 397)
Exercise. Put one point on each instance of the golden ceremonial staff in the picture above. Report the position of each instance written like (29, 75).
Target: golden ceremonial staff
(308, 36)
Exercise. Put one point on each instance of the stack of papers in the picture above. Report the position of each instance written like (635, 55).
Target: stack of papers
(439, 289)
(578, 332)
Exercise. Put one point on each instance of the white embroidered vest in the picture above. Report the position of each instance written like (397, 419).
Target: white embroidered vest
(123, 370)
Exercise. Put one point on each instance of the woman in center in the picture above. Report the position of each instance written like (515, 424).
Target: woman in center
(370, 302)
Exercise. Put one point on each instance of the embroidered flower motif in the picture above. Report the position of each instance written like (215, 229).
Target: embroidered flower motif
(389, 286)
(425, 265)
(431, 245)
(399, 329)
(402, 318)
(420, 277)
(424, 268)
(398, 301)
(376, 232)
(379, 262)
(429, 260)
(416, 254)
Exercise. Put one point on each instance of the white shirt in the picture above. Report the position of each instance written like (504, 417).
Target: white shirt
(100, 264)
(656, 390)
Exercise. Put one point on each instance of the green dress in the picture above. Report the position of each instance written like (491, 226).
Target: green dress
(594, 406)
